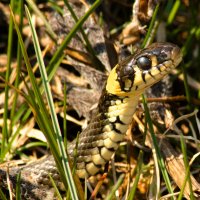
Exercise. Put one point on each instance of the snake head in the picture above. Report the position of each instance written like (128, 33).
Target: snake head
(143, 69)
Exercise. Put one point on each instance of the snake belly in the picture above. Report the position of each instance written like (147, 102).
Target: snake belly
(126, 82)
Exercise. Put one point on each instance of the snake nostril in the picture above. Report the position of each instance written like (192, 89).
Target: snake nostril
(128, 71)
(144, 63)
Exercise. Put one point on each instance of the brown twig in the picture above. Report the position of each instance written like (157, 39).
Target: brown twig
(173, 99)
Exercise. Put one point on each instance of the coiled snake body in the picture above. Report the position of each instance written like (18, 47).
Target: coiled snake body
(99, 141)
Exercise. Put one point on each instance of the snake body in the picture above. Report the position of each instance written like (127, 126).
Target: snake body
(99, 141)
(126, 82)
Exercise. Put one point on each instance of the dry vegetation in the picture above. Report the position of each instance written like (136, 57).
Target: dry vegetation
(78, 64)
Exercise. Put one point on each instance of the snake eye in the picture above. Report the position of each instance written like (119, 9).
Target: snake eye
(144, 63)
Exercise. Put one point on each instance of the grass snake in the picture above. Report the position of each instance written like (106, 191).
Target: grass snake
(100, 140)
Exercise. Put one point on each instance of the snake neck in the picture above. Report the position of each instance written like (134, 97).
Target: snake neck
(99, 141)
(118, 111)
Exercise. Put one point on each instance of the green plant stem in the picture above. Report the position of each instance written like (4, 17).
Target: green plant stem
(98, 63)
(65, 163)
(5, 134)
(41, 16)
(147, 39)
(19, 64)
(66, 41)
(116, 186)
(187, 171)
(138, 172)
(158, 153)
(173, 12)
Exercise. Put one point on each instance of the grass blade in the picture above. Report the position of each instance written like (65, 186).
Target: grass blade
(49, 97)
(158, 153)
(59, 52)
(41, 16)
(5, 133)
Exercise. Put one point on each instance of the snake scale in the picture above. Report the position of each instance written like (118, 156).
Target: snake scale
(100, 140)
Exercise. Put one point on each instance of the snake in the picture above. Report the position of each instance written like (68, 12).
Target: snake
(99, 141)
